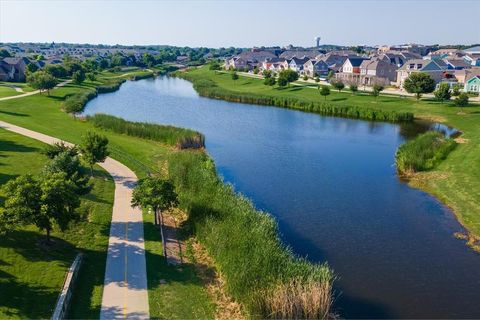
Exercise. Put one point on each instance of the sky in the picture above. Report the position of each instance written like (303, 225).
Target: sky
(241, 23)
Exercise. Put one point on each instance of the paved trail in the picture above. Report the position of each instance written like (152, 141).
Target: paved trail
(125, 292)
(31, 93)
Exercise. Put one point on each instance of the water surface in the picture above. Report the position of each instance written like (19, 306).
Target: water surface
(331, 184)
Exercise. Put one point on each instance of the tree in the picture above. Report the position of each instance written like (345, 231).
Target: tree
(282, 81)
(461, 100)
(376, 89)
(267, 73)
(42, 81)
(256, 70)
(91, 76)
(32, 67)
(443, 92)
(58, 203)
(4, 54)
(305, 77)
(72, 66)
(339, 85)
(234, 77)
(214, 65)
(324, 91)
(68, 164)
(419, 83)
(156, 193)
(330, 75)
(52, 150)
(56, 70)
(353, 87)
(289, 75)
(78, 76)
(148, 60)
(22, 202)
(456, 90)
(269, 81)
(317, 79)
(93, 149)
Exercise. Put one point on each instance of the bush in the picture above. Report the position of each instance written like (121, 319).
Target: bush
(423, 153)
(461, 100)
(178, 137)
(76, 102)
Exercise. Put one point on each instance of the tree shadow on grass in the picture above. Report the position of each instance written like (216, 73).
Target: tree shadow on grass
(339, 99)
(16, 114)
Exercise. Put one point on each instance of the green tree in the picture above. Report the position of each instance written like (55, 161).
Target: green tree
(32, 67)
(56, 70)
(305, 77)
(93, 149)
(42, 81)
(269, 81)
(461, 100)
(443, 92)
(73, 66)
(376, 89)
(317, 79)
(419, 83)
(148, 60)
(155, 193)
(214, 65)
(338, 84)
(91, 76)
(330, 75)
(22, 202)
(70, 165)
(267, 73)
(456, 90)
(234, 76)
(256, 70)
(282, 81)
(52, 150)
(289, 75)
(4, 54)
(78, 76)
(324, 91)
(353, 87)
(58, 203)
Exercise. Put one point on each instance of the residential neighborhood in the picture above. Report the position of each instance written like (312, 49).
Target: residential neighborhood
(388, 66)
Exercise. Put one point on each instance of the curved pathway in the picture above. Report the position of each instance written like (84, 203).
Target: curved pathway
(125, 292)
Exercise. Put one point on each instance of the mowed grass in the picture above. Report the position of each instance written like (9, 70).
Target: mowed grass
(8, 92)
(183, 296)
(31, 276)
(456, 181)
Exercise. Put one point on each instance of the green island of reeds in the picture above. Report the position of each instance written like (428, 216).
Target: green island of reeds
(423, 153)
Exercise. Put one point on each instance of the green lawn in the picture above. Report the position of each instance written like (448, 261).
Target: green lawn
(183, 295)
(456, 181)
(23, 85)
(8, 92)
(30, 275)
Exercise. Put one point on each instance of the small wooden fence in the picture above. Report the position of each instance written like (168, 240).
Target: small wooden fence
(65, 296)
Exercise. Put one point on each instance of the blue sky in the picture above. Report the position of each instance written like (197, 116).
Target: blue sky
(241, 23)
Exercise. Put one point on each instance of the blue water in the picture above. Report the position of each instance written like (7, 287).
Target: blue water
(331, 184)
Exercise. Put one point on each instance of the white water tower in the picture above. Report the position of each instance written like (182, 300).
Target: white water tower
(317, 41)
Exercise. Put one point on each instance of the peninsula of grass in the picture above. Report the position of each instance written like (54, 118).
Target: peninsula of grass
(455, 181)
(31, 276)
(423, 153)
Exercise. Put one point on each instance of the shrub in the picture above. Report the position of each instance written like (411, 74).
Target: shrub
(76, 102)
(461, 100)
(423, 153)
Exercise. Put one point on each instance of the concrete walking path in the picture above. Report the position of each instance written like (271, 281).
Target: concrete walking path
(125, 293)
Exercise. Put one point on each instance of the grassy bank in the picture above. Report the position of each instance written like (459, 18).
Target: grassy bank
(31, 276)
(173, 136)
(423, 153)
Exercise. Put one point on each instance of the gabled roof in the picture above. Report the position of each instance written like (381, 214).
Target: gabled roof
(356, 61)
(475, 49)
(474, 78)
(299, 61)
(458, 63)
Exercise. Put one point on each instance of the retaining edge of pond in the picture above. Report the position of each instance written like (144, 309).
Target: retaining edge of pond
(63, 302)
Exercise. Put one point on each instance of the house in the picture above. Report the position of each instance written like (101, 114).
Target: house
(473, 59)
(290, 54)
(315, 68)
(444, 53)
(398, 58)
(435, 68)
(296, 64)
(13, 69)
(248, 59)
(464, 75)
(273, 64)
(457, 64)
(472, 50)
(473, 85)
(350, 71)
(377, 71)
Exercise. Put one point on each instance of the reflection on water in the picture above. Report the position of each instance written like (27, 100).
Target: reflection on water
(332, 186)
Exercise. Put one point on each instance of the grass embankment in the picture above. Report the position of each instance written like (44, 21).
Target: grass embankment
(243, 241)
(173, 136)
(210, 88)
(455, 181)
(423, 153)
(8, 92)
(31, 276)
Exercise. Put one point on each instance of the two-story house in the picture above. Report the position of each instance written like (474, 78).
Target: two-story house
(296, 64)
(350, 71)
(315, 68)
(377, 72)
(435, 68)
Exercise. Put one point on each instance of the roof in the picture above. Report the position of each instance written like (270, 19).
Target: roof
(458, 63)
(300, 60)
(15, 60)
(477, 77)
(475, 49)
(356, 61)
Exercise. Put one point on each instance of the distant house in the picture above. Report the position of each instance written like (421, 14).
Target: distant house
(472, 50)
(377, 71)
(457, 64)
(473, 59)
(398, 58)
(249, 59)
(444, 53)
(315, 68)
(464, 75)
(290, 54)
(350, 70)
(273, 64)
(13, 69)
(473, 85)
(296, 64)
(435, 68)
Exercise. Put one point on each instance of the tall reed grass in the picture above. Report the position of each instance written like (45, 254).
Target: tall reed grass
(208, 88)
(260, 272)
(173, 136)
(423, 153)
(76, 102)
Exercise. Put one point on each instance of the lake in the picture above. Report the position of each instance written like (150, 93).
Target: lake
(332, 186)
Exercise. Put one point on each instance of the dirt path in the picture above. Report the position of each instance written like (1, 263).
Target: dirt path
(125, 293)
